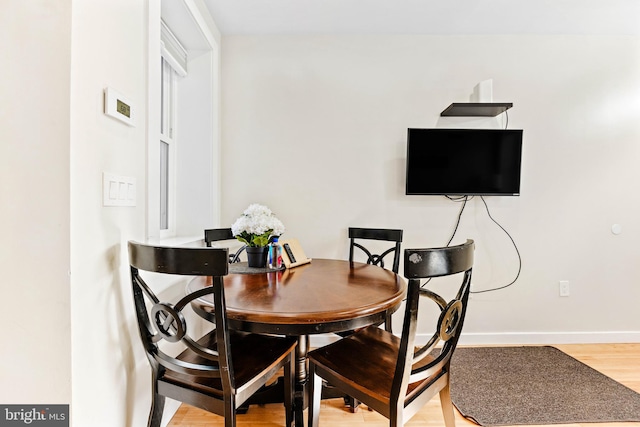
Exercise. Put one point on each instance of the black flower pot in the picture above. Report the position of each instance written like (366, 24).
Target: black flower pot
(257, 256)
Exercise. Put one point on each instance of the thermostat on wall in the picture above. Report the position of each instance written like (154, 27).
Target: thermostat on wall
(118, 107)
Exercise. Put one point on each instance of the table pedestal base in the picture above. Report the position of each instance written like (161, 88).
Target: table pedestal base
(274, 393)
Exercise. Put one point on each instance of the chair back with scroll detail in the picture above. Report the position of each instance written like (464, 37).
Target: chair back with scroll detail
(389, 373)
(217, 372)
(383, 234)
(219, 234)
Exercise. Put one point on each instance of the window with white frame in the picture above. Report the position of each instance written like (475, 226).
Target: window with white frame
(173, 67)
(167, 149)
(183, 170)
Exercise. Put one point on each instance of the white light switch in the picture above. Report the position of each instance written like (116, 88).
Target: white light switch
(118, 190)
(113, 190)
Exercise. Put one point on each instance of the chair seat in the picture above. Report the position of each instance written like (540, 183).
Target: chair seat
(251, 355)
(388, 373)
(367, 361)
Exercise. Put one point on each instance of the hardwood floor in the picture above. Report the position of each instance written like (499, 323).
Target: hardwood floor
(619, 361)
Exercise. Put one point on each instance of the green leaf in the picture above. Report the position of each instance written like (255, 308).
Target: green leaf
(243, 240)
(261, 240)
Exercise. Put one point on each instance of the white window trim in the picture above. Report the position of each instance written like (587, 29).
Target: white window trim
(172, 51)
(169, 136)
(204, 23)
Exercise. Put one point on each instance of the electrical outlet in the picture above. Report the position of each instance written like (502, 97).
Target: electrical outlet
(564, 288)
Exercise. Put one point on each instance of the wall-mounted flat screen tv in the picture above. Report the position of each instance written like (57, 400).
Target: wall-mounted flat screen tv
(464, 162)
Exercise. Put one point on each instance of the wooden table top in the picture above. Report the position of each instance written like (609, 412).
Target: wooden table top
(323, 296)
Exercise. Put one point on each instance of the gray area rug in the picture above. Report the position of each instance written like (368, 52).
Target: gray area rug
(495, 386)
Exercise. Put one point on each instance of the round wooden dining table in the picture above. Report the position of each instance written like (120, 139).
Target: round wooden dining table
(323, 296)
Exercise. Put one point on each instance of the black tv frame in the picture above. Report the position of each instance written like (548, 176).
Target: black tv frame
(463, 162)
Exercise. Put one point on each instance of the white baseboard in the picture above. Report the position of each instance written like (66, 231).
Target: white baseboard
(170, 408)
(599, 337)
(516, 338)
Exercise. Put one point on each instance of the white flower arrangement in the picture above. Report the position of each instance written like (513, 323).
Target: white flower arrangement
(257, 225)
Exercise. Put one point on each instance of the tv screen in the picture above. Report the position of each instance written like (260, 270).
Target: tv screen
(463, 162)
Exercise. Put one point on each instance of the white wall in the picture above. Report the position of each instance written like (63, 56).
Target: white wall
(35, 41)
(198, 182)
(315, 127)
(114, 44)
(110, 373)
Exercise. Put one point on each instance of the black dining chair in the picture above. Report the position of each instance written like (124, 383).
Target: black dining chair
(219, 234)
(223, 368)
(356, 238)
(389, 373)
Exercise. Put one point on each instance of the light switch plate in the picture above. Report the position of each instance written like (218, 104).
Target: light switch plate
(118, 190)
